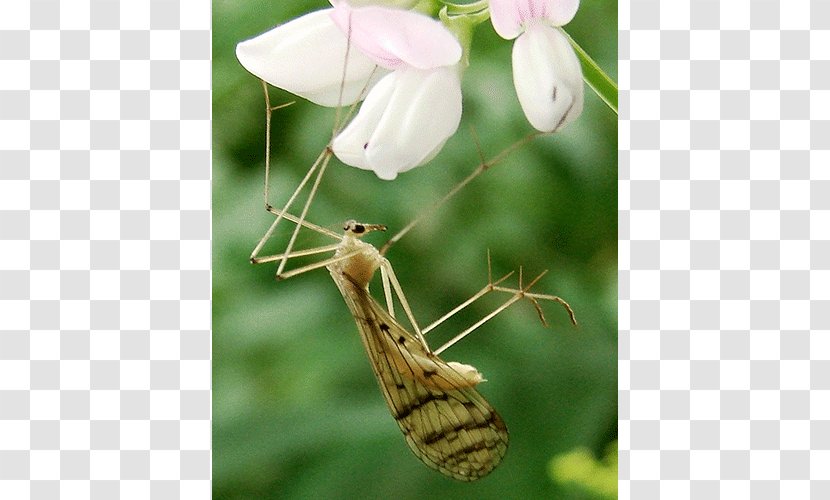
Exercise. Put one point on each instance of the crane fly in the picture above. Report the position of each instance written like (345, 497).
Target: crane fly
(448, 425)
(446, 422)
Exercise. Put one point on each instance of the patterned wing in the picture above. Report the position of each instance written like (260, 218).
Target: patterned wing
(446, 422)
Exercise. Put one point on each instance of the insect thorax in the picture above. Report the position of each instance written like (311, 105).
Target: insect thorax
(359, 268)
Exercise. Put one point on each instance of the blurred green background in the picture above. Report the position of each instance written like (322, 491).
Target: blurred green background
(296, 410)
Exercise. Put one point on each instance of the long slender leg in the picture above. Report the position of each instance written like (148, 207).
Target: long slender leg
(281, 214)
(482, 167)
(321, 162)
(290, 246)
(305, 223)
(387, 291)
(535, 297)
(256, 259)
(316, 265)
(268, 111)
(285, 215)
(388, 277)
(396, 285)
(480, 322)
(517, 295)
(298, 253)
(490, 287)
(322, 159)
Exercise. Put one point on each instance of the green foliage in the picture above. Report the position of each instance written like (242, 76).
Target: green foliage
(579, 469)
(297, 413)
(596, 78)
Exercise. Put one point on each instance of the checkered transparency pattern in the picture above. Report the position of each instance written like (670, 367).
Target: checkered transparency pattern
(105, 244)
(725, 249)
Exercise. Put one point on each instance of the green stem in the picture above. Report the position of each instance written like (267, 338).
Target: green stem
(455, 9)
(595, 77)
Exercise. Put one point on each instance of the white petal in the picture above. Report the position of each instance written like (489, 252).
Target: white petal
(423, 112)
(404, 122)
(306, 56)
(350, 144)
(548, 77)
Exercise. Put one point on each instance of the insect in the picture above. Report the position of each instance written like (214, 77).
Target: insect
(446, 422)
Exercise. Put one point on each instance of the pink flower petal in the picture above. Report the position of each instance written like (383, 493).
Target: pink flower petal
(506, 18)
(394, 38)
(560, 12)
(510, 17)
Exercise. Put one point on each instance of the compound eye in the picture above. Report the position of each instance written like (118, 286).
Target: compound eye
(353, 226)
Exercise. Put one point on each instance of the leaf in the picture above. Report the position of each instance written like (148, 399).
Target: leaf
(595, 77)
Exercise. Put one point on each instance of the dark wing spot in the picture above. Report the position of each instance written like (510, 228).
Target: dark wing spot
(452, 433)
(418, 403)
(553, 95)
(384, 327)
(401, 340)
(467, 450)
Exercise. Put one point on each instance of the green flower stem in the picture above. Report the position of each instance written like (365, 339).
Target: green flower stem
(428, 7)
(595, 77)
(462, 26)
(455, 9)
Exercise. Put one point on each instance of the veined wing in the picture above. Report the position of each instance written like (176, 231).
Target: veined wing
(446, 422)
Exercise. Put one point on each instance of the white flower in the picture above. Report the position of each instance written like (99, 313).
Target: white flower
(546, 72)
(403, 123)
(306, 57)
(409, 115)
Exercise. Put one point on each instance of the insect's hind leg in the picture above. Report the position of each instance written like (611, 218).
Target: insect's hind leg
(536, 297)
(490, 287)
(517, 294)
